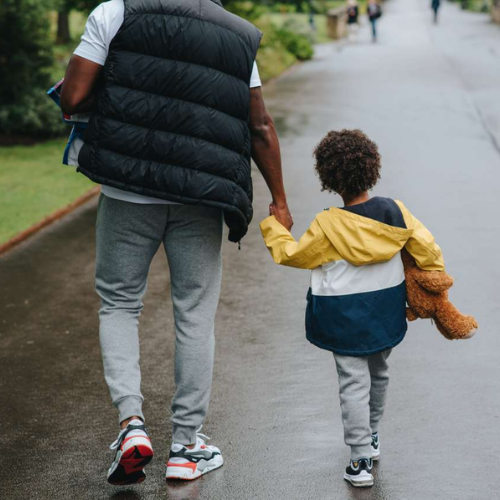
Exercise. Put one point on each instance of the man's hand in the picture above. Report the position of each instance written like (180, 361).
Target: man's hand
(282, 214)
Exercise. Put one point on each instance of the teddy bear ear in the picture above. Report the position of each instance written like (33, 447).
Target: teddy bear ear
(434, 281)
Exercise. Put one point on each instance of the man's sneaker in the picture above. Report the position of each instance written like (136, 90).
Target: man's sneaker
(359, 472)
(375, 447)
(185, 464)
(133, 453)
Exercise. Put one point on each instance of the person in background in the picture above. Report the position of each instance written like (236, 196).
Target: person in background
(312, 24)
(352, 16)
(435, 4)
(374, 13)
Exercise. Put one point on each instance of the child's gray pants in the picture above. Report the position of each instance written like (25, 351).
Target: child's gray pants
(363, 385)
(128, 236)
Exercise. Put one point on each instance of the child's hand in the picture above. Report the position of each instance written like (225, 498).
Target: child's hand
(271, 209)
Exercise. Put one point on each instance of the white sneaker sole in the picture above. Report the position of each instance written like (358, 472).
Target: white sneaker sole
(363, 480)
(375, 454)
(181, 473)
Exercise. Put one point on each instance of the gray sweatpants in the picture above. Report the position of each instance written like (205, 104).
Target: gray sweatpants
(363, 383)
(128, 236)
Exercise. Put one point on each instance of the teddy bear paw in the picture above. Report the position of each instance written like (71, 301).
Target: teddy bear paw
(470, 334)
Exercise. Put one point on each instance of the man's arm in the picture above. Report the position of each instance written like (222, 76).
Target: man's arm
(266, 154)
(77, 93)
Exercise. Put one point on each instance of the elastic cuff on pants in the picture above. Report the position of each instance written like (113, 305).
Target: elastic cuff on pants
(184, 435)
(129, 407)
(361, 451)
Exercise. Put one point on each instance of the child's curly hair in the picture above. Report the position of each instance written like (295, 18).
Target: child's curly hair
(347, 162)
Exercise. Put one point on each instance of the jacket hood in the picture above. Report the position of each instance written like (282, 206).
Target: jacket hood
(360, 240)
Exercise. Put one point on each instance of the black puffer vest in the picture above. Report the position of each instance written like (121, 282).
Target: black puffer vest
(172, 114)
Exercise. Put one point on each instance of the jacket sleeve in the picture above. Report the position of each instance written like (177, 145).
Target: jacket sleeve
(307, 253)
(421, 244)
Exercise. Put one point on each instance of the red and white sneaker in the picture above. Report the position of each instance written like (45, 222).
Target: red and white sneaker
(133, 453)
(187, 464)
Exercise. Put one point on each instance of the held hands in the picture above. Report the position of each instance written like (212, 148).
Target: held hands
(282, 214)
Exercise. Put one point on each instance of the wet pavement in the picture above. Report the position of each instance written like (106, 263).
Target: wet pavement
(429, 95)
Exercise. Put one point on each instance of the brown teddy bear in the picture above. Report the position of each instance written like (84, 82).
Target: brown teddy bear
(427, 297)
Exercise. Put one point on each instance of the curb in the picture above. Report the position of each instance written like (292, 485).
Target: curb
(53, 217)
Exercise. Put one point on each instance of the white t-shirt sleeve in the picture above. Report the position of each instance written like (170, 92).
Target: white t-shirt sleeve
(102, 26)
(255, 78)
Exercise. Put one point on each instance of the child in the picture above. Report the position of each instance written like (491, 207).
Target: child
(356, 305)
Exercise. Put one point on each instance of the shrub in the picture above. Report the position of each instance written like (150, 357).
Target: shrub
(33, 115)
(291, 6)
(296, 40)
(284, 8)
(299, 45)
(280, 48)
(246, 9)
(25, 51)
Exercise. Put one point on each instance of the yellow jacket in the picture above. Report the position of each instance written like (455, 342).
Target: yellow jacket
(356, 304)
(337, 234)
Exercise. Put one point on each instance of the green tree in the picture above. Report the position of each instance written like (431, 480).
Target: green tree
(25, 60)
(25, 49)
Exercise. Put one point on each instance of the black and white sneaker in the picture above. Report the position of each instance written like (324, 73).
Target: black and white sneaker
(375, 446)
(359, 472)
(187, 464)
(133, 453)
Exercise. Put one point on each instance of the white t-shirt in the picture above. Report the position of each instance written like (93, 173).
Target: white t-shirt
(102, 26)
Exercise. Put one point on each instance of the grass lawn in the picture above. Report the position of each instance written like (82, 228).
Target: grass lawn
(35, 184)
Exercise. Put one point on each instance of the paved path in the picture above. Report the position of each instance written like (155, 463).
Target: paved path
(430, 96)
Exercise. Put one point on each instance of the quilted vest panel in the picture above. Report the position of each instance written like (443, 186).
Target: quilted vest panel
(173, 109)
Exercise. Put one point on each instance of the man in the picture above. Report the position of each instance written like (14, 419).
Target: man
(177, 113)
(435, 4)
(374, 12)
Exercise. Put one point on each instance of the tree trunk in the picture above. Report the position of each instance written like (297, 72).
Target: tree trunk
(63, 34)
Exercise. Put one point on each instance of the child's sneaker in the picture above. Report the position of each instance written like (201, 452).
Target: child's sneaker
(375, 447)
(359, 472)
(188, 464)
(133, 453)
